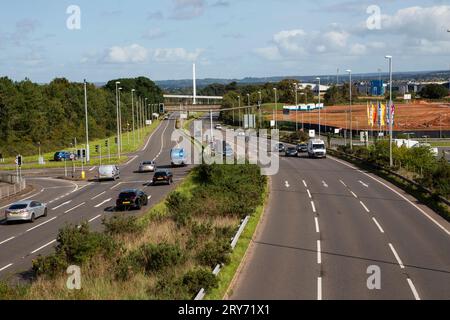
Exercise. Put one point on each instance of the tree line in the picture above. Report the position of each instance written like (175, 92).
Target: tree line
(53, 114)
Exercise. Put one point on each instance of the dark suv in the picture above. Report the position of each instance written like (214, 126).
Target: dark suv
(132, 198)
(162, 176)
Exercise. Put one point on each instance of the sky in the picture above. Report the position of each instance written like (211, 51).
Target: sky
(106, 39)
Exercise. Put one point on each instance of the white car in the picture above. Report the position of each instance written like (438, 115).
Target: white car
(108, 172)
(25, 211)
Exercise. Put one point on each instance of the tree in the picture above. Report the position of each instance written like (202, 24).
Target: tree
(434, 91)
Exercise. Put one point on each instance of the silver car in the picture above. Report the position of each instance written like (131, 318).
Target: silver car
(108, 172)
(147, 166)
(25, 211)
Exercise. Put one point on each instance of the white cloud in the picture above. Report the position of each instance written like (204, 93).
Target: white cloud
(187, 9)
(128, 54)
(175, 54)
(269, 53)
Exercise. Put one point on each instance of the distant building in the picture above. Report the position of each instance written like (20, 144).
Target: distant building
(377, 88)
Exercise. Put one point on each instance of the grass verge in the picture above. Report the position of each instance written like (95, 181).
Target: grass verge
(228, 272)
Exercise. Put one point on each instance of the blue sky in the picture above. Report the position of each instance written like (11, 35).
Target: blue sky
(226, 38)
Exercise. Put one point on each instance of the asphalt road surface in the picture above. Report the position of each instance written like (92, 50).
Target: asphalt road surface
(75, 202)
(328, 223)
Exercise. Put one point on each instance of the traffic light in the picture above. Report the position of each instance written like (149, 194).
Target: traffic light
(116, 140)
(83, 151)
(19, 160)
(161, 108)
(97, 147)
(106, 143)
(78, 154)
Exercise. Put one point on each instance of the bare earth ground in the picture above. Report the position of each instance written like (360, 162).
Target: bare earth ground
(417, 116)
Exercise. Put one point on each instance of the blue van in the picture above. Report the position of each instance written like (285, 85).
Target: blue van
(177, 157)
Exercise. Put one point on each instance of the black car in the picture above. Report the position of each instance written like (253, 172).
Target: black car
(132, 198)
(162, 176)
(302, 147)
(291, 152)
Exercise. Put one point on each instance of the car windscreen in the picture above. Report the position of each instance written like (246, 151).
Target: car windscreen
(105, 170)
(126, 195)
(18, 206)
(178, 153)
(292, 149)
(318, 146)
(160, 174)
(147, 163)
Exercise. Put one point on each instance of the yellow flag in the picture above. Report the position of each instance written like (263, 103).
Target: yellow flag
(383, 115)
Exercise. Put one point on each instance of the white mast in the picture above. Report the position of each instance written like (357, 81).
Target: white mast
(194, 84)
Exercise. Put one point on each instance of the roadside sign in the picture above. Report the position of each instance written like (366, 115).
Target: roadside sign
(72, 156)
(312, 133)
(272, 123)
(41, 160)
(337, 131)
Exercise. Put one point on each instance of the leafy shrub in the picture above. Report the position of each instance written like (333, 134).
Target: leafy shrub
(122, 225)
(178, 205)
(214, 253)
(198, 279)
(155, 258)
(12, 293)
(50, 266)
(127, 266)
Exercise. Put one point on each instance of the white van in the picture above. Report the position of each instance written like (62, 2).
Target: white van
(108, 172)
(317, 149)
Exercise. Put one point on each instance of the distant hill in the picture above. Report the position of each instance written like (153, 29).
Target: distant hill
(182, 85)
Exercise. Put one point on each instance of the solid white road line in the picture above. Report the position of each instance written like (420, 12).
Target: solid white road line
(364, 206)
(75, 207)
(45, 245)
(343, 183)
(102, 203)
(396, 256)
(92, 169)
(313, 206)
(317, 224)
(319, 253)
(40, 225)
(319, 288)
(94, 218)
(149, 197)
(378, 225)
(6, 267)
(4, 241)
(162, 142)
(353, 194)
(396, 192)
(304, 183)
(413, 289)
(309, 194)
(98, 195)
(61, 205)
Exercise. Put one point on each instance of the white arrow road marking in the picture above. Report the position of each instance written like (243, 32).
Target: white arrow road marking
(364, 184)
(325, 184)
(102, 203)
(61, 205)
(75, 207)
(39, 225)
(45, 245)
(6, 267)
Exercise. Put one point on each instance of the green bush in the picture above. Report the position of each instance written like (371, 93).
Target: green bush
(155, 258)
(122, 225)
(129, 265)
(195, 280)
(215, 253)
(12, 293)
(50, 266)
(178, 205)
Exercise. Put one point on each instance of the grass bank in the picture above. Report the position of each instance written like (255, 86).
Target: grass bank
(130, 142)
(168, 253)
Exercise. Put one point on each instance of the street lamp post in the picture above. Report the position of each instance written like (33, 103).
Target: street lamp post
(146, 112)
(132, 114)
(296, 107)
(275, 107)
(351, 116)
(120, 122)
(248, 110)
(260, 111)
(87, 123)
(318, 91)
(239, 111)
(391, 160)
(117, 118)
